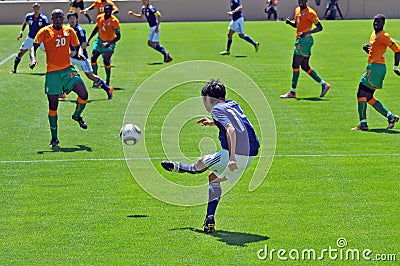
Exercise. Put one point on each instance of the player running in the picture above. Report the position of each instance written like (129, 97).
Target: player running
(153, 17)
(373, 76)
(239, 145)
(76, 5)
(36, 21)
(237, 25)
(100, 5)
(109, 34)
(61, 77)
(304, 18)
(84, 65)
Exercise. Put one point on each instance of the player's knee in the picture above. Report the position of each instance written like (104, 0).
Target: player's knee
(241, 35)
(150, 43)
(306, 68)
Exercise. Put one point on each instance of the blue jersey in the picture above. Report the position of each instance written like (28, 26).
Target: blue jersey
(81, 33)
(234, 5)
(150, 12)
(229, 112)
(35, 24)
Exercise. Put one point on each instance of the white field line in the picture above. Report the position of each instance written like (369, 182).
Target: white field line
(177, 158)
(8, 58)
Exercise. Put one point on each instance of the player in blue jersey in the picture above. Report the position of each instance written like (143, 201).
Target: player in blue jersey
(36, 21)
(153, 17)
(237, 25)
(84, 65)
(238, 141)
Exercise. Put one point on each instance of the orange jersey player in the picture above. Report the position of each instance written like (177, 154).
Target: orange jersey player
(100, 5)
(61, 76)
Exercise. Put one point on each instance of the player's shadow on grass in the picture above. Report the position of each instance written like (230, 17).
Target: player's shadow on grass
(384, 130)
(34, 74)
(155, 63)
(137, 216)
(311, 99)
(230, 238)
(74, 149)
(240, 56)
(89, 101)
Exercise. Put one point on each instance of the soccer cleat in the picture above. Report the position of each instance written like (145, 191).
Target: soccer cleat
(257, 46)
(209, 225)
(325, 89)
(225, 53)
(110, 93)
(80, 121)
(13, 71)
(170, 166)
(288, 95)
(360, 127)
(54, 143)
(167, 58)
(392, 121)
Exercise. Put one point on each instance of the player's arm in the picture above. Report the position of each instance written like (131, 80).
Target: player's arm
(366, 47)
(116, 39)
(396, 63)
(158, 15)
(32, 54)
(289, 22)
(230, 13)
(94, 32)
(84, 11)
(318, 28)
(231, 136)
(133, 14)
(205, 121)
(22, 30)
(115, 9)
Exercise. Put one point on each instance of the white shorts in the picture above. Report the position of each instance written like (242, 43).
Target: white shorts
(28, 43)
(237, 26)
(154, 36)
(218, 164)
(82, 65)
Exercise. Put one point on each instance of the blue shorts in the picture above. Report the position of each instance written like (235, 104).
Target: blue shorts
(237, 26)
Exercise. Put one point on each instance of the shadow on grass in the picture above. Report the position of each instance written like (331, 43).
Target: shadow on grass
(155, 63)
(311, 99)
(60, 149)
(240, 56)
(384, 130)
(230, 238)
(137, 216)
(89, 101)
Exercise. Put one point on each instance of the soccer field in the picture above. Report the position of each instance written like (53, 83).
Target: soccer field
(326, 186)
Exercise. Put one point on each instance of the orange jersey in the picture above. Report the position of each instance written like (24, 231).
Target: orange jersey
(56, 43)
(379, 43)
(100, 6)
(107, 27)
(304, 19)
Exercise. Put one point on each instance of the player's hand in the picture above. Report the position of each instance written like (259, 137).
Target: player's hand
(81, 57)
(32, 64)
(156, 29)
(19, 36)
(396, 70)
(230, 13)
(130, 13)
(106, 45)
(301, 34)
(232, 165)
(366, 47)
(84, 11)
(205, 121)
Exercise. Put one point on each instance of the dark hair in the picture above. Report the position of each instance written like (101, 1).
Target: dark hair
(214, 89)
(57, 11)
(381, 16)
(108, 6)
(72, 14)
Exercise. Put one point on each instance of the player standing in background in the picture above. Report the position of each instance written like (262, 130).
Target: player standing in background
(109, 33)
(84, 65)
(36, 21)
(239, 146)
(153, 17)
(61, 77)
(375, 72)
(304, 18)
(100, 5)
(237, 25)
(75, 6)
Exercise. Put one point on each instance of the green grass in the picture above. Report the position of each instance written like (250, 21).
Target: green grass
(82, 205)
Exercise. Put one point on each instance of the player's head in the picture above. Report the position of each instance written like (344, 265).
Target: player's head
(57, 16)
(302, 3)
(72, 18)
(145, 2)
(212, 93)
(36, 7)
(379, 22)
(108, 9)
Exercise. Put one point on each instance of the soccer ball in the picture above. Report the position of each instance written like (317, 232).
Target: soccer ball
(130, 134)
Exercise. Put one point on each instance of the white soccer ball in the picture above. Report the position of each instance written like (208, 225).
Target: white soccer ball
(130, 134)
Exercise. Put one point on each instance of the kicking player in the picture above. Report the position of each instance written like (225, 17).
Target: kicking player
(76, 5)
(153, 17)
(84, 65)
(373, 76)
(304, 18)
(237, 25)
(61, 77)
(36, 21)
(100, 5)
(109, 34)
(239, 145)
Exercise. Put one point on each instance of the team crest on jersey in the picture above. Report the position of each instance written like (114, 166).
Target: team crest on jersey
(109, 23)
(66, 33)
(303, 13)
(40, 24)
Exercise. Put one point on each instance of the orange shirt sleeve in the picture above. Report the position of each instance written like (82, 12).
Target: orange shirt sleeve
(391, 43)
(314, 17)
(40, 36)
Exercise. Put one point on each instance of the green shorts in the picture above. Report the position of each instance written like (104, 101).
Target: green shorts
(99, 46)
(61, 81)
(374, 75)
(302, 46)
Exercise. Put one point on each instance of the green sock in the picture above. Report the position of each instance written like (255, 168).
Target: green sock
(315, 76)
(79, 108)
(380, 108)
(108, 75)
(362, 112)
(53, 126)
(295, 78)
(95, 67)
